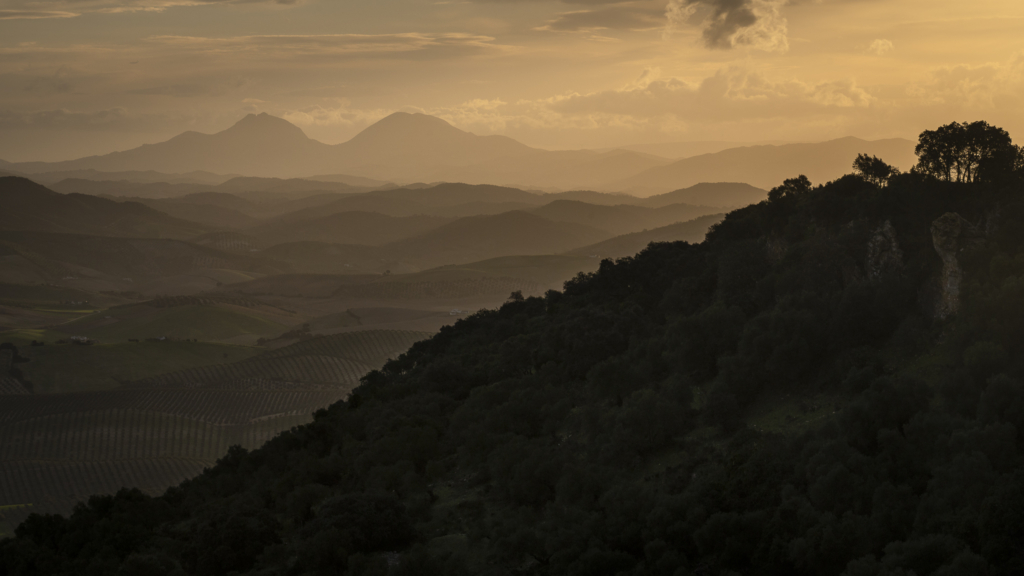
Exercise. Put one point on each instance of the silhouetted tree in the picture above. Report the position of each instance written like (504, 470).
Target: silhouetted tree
(974, 152)
(790, 187)
(874, 170)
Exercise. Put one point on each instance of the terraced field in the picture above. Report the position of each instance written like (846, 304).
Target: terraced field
(57, 449)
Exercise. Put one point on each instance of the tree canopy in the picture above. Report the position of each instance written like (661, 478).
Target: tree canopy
(874, 169)
(967, 153)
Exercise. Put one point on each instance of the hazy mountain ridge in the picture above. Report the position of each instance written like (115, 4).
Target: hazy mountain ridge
(32, 207)
(767, 166)
(415, 147)
(621, 219)
(692, 231)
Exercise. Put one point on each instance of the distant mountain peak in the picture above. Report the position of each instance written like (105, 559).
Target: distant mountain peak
(406, 125)
(264, 125)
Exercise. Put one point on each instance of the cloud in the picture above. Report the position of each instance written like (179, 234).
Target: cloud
(629, 16)
(35, 14)
(287, 47)
(37, 9)
(64, 119)
(733, 93)
(340, 114)
(731, 23)
(978, 88)
(880, 47)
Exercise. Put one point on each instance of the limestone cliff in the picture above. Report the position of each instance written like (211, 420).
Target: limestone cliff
(884, 254)
(951, 234)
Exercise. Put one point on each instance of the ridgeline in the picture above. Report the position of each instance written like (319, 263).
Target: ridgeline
(831, 383)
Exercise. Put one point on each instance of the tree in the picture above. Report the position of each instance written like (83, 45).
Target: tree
(974, 152)
(791, 187)
(874, 170)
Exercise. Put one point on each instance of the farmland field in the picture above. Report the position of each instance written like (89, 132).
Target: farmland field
(58, 449)
(203, 322)
(328, 361)
(57, 368)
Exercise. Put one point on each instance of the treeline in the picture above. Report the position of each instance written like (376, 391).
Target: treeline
(617, 427)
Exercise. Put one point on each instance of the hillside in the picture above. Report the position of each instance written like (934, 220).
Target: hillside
(133, 176)
(125, 188)
(327, 258)
(621, 219)
(716, 194)
(692, 231)
(183, 318)
(445, 199)
(481, 237)
(368, 228)
(203, 210)
(803, 393)
(99, 263)
(766, 166)
(31, 207)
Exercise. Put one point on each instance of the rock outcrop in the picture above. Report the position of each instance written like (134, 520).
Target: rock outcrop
(884, 254)
(951, 234)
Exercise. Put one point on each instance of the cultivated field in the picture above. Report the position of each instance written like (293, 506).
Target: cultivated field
(57, 449)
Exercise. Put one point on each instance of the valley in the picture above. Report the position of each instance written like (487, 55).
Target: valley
(155, 320)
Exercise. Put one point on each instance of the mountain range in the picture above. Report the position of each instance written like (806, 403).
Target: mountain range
(407, 148)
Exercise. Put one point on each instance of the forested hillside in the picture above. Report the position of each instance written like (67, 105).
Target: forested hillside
(830, 384)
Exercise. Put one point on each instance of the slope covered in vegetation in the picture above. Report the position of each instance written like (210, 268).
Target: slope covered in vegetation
(830, 384)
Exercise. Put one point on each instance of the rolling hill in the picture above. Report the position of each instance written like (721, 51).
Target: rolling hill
(692, 231)
(368, 228)
(203, 212)
(716, 194)
(104, 263)
(241, 321)
(482, 237)
(30, 207)
(621, 219)
(125, 189)
(767, 166)
(445, 199)
(326, 258)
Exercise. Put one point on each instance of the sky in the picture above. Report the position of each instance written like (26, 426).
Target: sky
(82, 77)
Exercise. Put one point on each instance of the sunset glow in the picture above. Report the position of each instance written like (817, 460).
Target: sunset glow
(94, 76)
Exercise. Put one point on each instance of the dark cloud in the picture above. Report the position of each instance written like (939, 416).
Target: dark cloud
(726, 19)
(729, 23)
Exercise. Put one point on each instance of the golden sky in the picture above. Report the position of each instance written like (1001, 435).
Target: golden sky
(81, 77)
